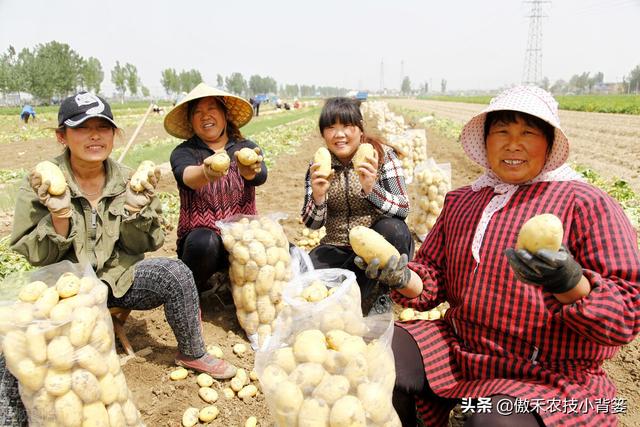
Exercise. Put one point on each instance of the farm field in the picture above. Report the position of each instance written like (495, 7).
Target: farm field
(607, 143)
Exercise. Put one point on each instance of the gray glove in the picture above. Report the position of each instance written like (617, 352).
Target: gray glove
(395, 274)
(134, 201)
(59, 206)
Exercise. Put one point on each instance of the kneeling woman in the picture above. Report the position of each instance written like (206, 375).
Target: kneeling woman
(100, 220)
(373, 195)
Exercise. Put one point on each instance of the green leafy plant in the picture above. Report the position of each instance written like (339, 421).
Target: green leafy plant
(10, 261)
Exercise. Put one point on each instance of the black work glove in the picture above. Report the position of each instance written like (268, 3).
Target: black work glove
(556, 271)
(395, 274)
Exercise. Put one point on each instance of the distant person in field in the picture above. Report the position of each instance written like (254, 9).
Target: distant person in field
(100, 220)
(527, 332)
(209, 120)
(255, 103)
(27, 112)
(374, 196)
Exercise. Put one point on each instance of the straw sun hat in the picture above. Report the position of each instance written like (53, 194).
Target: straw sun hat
(527, 99)
(176, 122)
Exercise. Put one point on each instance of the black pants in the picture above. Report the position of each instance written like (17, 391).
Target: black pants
(394, 230)
(411, 382)
(203, 252)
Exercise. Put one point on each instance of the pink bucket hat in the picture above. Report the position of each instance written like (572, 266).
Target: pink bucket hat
(526, 99)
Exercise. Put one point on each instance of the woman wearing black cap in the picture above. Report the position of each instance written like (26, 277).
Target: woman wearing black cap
(102, 221)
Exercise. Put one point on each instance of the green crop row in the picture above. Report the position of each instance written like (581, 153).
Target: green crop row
(621, 104)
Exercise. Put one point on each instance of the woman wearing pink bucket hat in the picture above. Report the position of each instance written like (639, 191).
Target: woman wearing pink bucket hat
(527, 333)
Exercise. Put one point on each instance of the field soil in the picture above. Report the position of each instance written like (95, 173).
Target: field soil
(608, 143)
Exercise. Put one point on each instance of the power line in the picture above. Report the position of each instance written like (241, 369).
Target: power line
(532, 73)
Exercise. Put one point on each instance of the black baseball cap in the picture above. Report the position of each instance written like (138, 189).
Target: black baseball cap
(81, 107)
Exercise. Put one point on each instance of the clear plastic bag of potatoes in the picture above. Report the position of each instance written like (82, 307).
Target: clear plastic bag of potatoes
(57, 339)
(325, 363)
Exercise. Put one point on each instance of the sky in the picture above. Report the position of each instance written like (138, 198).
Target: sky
(356, 44)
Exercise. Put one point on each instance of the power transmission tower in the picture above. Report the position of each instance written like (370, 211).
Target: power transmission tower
(532, 73)
(382, 76)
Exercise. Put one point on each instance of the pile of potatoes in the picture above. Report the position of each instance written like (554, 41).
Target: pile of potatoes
(431, 185)
(260, 266)
(332, 368)
(309, 239)
(435, 313)
(58, 342)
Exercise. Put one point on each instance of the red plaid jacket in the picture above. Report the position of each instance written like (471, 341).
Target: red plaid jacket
(502, 336)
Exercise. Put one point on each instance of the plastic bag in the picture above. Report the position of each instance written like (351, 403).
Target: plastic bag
(431, 183)
(259, 267)
(57, 339)
(325, 361)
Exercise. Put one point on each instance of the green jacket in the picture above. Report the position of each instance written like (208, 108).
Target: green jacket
(107, 237)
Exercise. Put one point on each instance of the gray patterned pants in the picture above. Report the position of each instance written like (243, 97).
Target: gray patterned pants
(12, 412)
(168, 282)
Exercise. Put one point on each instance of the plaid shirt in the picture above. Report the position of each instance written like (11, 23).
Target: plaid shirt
(347, 205)
(502, 336)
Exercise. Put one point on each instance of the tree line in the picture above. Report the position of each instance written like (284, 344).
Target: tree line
(586, 82)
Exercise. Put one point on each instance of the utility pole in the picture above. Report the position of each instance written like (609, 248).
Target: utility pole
(532, 73)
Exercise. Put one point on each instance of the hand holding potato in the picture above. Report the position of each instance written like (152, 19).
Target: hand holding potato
(60, 205)
(211, 169)
(320, 183)
(556, 271)
(134, 201)
(249, 165)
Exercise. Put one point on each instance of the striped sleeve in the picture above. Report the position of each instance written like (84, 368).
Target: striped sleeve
(604, 243)
(389, 194)
(313, 216)
(430, 265)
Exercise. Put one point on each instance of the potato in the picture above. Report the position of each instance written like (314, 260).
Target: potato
(239, 349)
(272, 376)
(264, 280)
(69, 410)
(323, 158)
(347, 412)
(288, 398)
(236, 384)
(248, 321)
(313, 413)
(249, 297)
(204, 380)
(316, 291)
(266, 310)
(375, 401)
(251, 271)
(190, 417)
(141, 175)
(85, 385)
(352, 345)
(95, 415)
(264, 332)
(251, 422)
(369, 244)
(116, 416)
(228, 393)
(61, 313)
(335, 362)
(335, 338)
(248, 391)
(113, 363)
(84, 319)
(241, 253)
(57, 383)
(32, 291)
(123, 390)
(52, 173)
(208, 394)
(208, 413)
(45, 302)
(258, 253)
(220, 162)
(179, 374)
(36, 343)
(215, 351)
(356, 370)
(273, 255)
(42, 404)
(101, 337)
(360, 157)
(310, 346)
(89, 359)
(247, 156)
(67, 285)
(60, 353)
(540, 232)
(130, 412)
(307, 376)
(108, 389)
(331, 388)
(407, 314)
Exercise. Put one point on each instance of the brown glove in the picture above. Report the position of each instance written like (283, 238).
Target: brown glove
(59, 206)
(134, 201)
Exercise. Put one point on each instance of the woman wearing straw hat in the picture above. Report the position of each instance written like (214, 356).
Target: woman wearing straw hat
(100, 220)
(209, 120)
(527, 332)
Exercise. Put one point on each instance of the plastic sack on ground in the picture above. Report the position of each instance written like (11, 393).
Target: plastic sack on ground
(57, 339)
(325, 364)
(431, 183)
(259, 267)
